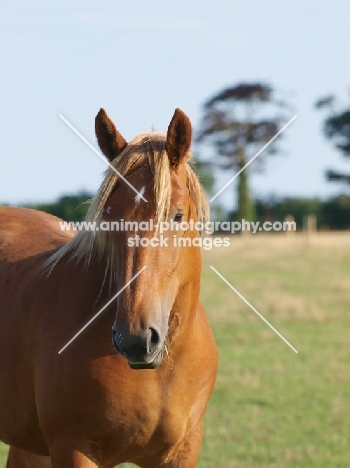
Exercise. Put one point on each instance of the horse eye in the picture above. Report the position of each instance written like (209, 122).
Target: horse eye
(178, 217)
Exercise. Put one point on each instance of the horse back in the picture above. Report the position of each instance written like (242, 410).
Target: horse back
(25, 232)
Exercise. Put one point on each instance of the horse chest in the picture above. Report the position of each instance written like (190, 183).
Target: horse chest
(151, 413)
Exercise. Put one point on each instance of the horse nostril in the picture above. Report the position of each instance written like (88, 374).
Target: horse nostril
(155, 336)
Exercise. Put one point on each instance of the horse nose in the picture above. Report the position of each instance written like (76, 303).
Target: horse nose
(141, 347)
(146, 341)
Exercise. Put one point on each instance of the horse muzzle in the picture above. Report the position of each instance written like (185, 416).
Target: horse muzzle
(142, 351)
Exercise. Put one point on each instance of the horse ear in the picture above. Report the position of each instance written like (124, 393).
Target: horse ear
(109, 139)
(178, 140)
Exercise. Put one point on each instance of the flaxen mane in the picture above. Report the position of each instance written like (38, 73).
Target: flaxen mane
(146, 150)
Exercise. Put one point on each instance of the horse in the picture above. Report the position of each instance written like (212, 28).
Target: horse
(134, 385)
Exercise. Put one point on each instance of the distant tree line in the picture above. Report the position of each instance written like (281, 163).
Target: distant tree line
(67, 207)
(331, 214)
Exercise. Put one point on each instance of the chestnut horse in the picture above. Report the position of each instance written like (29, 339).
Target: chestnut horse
(139, 395)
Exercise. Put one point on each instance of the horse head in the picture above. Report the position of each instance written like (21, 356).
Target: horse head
(151, 198)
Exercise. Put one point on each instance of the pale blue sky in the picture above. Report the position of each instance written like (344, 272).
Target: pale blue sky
(140, 61)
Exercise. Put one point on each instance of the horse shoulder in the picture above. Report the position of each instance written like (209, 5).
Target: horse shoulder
(191, 377)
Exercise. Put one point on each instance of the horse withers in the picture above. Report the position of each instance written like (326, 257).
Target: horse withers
(133, 386)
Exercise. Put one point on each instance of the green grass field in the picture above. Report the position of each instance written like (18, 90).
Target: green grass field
(272, 407)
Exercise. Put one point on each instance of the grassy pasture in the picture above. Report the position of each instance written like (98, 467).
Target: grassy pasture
(272, 407)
